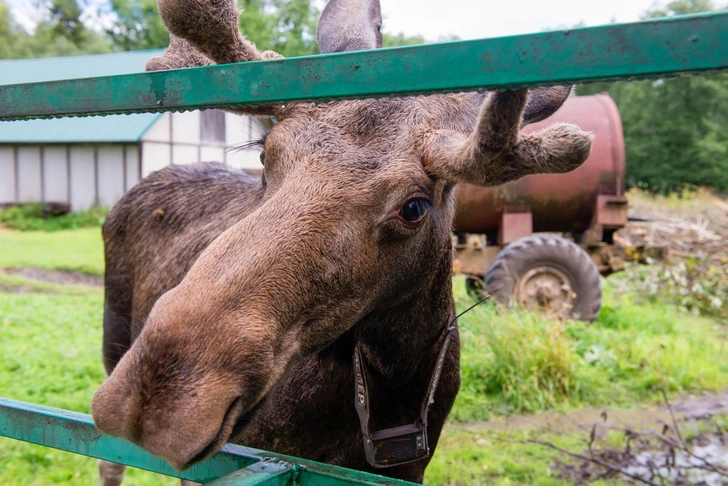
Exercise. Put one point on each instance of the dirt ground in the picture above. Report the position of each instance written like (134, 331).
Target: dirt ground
(60, 277)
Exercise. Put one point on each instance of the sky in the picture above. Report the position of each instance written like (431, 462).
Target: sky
(473, 19)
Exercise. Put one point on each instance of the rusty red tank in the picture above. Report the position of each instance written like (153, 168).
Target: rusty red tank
(498, 245)
(558, 203)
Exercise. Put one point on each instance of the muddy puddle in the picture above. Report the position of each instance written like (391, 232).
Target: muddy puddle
(684, 444)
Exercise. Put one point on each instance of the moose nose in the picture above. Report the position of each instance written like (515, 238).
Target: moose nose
(180, 424)
(110, 410)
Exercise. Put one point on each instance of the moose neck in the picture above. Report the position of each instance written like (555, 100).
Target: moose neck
(396, 339)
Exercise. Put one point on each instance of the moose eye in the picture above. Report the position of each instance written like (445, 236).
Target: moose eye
(414, 210)
(262, 156)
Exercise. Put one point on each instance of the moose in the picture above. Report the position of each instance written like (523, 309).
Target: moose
(258, 310)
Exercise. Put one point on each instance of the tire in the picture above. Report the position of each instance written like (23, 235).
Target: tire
(549, 274)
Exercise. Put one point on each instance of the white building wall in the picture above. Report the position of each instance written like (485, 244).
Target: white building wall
(7, 175)
(185, 154)
(110, 174)
(155, 156)
(161, 131)
(55, 173)
(89, 174)
(186, 128)
(82, 180)
(29, 170)
(132, 170)
(212, 154)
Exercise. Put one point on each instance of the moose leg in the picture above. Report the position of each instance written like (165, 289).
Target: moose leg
(110, 473)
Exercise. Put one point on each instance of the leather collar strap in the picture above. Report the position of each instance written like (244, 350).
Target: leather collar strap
(406, 443)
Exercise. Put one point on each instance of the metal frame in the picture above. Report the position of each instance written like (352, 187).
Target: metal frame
(233, 465)
(661, 47)
(655, 48)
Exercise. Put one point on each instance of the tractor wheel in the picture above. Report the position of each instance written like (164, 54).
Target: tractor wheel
(548, 274)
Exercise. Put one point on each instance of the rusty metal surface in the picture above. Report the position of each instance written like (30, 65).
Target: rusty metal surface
(559, 202)
(514, 226)
(611, 211)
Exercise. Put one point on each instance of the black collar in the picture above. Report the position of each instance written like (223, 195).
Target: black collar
(406, 443)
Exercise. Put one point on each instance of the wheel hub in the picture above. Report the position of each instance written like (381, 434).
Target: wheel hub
(546, 289)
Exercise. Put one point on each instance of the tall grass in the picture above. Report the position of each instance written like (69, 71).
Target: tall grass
(516, 362)
(525, 361)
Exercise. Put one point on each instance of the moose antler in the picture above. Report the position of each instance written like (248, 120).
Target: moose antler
(497, 152)
(211, 26)
(205, 32)
(179, 54)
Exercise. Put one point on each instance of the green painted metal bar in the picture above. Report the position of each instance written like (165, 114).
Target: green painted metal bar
(661, 47)
(75, 432)
(264, 473)
(233, 465)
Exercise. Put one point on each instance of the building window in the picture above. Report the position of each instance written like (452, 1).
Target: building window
(212, 127)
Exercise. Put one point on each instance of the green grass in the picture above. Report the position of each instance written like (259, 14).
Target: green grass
(478, 455)
(511, 362)
(80, 250)
(519, 362)
(496, 453)
(51, 355)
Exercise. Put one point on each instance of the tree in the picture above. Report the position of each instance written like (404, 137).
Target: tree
(679, 7)
(66, 21)
(289, 27)
(59, 32)
(8, 32)
(285, 26)
(137, 26)
(396, 40)
(675, 128)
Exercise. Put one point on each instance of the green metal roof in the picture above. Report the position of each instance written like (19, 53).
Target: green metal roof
(113, 128)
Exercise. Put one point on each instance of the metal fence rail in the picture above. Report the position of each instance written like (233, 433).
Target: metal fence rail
(233, 465)
(665, 47)
(644, 49)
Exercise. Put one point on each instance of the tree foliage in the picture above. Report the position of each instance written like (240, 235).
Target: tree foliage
(137, 26)
(674, 128)
(60, 32)
(285, 26)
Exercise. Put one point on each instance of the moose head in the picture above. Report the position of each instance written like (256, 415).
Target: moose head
(350, 224)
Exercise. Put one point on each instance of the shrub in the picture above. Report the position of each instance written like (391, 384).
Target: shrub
(33, 217)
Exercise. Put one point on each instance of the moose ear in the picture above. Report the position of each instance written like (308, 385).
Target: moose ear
(350, 25)
(543, 102)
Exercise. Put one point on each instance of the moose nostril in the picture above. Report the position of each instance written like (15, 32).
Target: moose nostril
(108, 411)
(226, 428)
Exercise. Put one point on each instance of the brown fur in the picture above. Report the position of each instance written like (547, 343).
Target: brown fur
(233, 304)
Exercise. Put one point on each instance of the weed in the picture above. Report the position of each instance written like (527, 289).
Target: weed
(523, 360)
